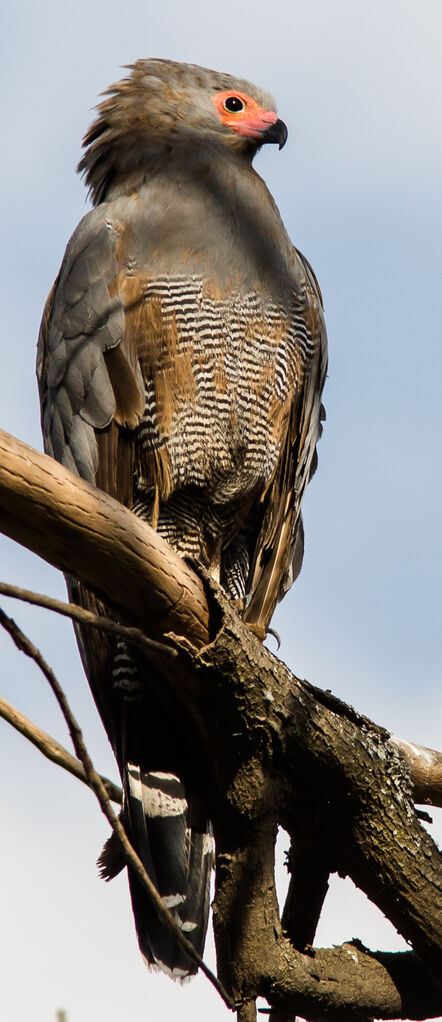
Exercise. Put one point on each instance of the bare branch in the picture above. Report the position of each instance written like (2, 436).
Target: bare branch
(308, 884)
(84, 532)
(94, 780)
(352, 984)
(52, 749)
(425, 767)
(285, 740)
(133, 635)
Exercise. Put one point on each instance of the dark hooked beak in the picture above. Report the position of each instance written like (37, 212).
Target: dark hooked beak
(276, 132)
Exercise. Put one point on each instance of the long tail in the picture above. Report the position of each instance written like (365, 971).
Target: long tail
(165, 817)
(175, 843)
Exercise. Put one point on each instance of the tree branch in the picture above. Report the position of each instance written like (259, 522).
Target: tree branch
(84, 532)
(285, 740)
(271, 743)
(308, 884)
(372, 985)
(52, 749)
(86, 617)
(94, 780)
(425, 766)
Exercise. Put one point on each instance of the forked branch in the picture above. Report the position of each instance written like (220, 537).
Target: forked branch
(272, 744)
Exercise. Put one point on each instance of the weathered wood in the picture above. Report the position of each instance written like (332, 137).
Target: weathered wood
(351, 984)
(308, 881)
(267, 736)
(272, 743)
(425, 766)
(83, 531)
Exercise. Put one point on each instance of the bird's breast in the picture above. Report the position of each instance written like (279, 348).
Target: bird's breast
(219, 373)
(221, 224)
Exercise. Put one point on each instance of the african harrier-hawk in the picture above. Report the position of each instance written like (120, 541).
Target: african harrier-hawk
(181, 362)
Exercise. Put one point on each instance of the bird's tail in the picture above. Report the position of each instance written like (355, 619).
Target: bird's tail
(174, 841)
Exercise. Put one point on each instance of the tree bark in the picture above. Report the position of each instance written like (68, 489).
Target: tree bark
(278, 751)
(267, 736)
(425, 766)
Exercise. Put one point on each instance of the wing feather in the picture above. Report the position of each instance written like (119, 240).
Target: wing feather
(89, 381)
(279, 549)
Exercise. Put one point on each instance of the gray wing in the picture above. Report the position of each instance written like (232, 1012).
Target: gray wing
(92, 397)
(83, 324)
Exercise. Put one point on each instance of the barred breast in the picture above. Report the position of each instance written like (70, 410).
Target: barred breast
(219, 389)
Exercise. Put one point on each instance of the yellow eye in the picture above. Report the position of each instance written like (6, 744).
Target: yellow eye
(233, 104)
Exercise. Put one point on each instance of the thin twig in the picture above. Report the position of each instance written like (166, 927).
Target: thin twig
(86, 617)
(52, 749)
(26, 646)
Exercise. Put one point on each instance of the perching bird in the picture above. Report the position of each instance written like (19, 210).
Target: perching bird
(181, 362)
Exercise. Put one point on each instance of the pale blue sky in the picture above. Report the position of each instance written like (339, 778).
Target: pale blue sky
(359, 85)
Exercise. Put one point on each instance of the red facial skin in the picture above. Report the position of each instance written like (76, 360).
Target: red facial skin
(251, 122)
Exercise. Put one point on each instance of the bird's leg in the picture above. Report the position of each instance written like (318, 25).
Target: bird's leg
(257, 630)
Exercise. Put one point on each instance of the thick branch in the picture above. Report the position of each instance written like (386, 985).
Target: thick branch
(284, 739)
(425, 766)
(267, 736)
(308, 885)
(350, 983)
(83, 531)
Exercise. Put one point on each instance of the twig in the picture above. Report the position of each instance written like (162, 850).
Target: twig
(52, 749)
(134, 635)
(26, 646)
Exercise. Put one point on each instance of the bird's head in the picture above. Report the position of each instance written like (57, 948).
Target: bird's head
(164, 107)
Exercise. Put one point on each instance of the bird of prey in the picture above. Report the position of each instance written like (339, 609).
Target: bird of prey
(181, 361)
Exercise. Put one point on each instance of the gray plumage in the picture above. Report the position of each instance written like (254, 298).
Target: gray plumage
(181, 362)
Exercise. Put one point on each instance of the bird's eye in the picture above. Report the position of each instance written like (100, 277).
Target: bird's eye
(233, 104)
